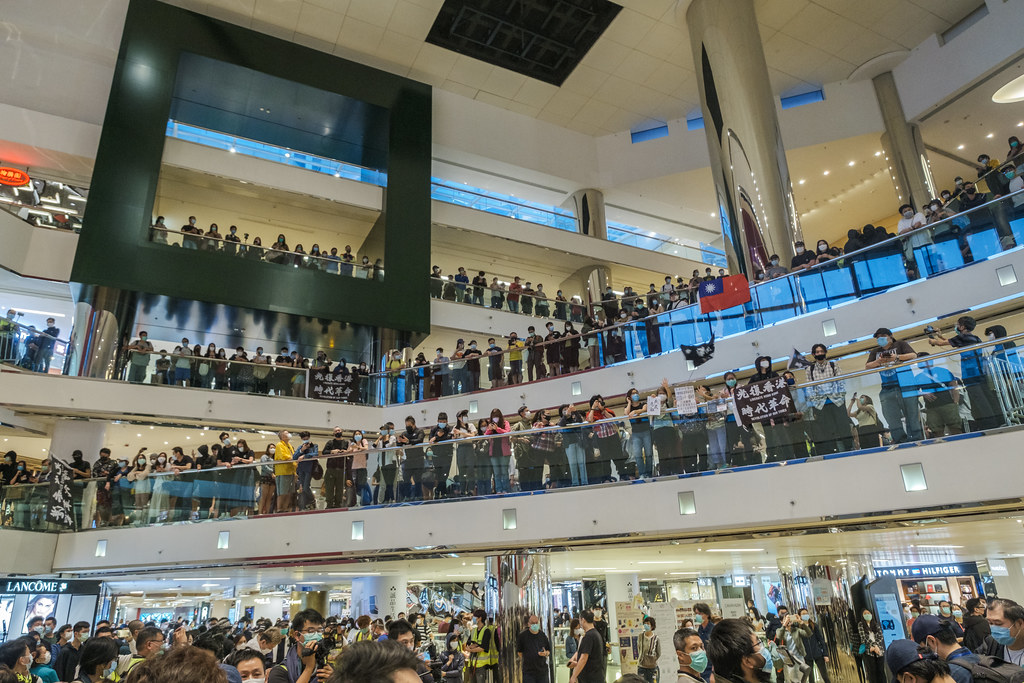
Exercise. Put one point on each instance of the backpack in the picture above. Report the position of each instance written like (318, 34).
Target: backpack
(991, 669)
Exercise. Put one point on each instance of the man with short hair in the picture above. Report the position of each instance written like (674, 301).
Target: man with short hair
(67, 661)
(588, 664)
(482, 646)
(804, 259)
(938, 637)
(693, 660)
(737, 653)
(103, 469)
(775, 268)
(301, 663)
(148, 643)
(898, 405)
(141, 349)
(403, 633)
(1006, 620)
(377, 662)
(535, 360)
(938, 388)
(533, 649)
(335, 470)
(249, 664)
(515, 359)
(976, 627)
(984, 404)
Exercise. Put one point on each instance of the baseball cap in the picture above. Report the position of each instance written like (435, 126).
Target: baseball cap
(924, 626)
(901, 654)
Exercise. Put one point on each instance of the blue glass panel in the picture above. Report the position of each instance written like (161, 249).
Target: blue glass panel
(879, 271)
(776, 300)
(983, 243)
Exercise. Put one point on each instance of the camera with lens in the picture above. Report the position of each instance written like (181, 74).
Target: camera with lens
(317, 649)
(930, 331)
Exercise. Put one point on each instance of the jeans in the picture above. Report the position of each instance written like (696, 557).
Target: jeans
(499, 465)
(716, 447)
(896, 407)
(641, 449)
(333, 486)
(513, 306)
(137, 373)
(478, 297)
(577, 456)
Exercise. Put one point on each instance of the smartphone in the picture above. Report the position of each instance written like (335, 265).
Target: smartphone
(123, 633)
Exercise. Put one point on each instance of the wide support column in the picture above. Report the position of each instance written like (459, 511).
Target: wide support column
(103, 322)
(748, 160)
(822, 585)
(904, 149)
(379, 596)
(620, 588)
(519, 585)
(1011, 585)
(302, 600)
(589, 207)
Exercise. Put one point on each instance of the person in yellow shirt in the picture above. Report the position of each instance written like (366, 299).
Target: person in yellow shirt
(284, 474)
(515, 359)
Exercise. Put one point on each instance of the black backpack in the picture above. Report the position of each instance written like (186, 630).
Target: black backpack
(989, 669)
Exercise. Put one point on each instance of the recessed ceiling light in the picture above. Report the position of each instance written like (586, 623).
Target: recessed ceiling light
(990, 135)
(713, 214)
(852, 163)
(878, 154)
(802, 181)
(232, 150)
(1021, 124)
(936, 546)
(959, 146)
(151, 427)
(825, 173)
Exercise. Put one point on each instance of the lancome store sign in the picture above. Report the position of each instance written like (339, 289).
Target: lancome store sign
(50, 586)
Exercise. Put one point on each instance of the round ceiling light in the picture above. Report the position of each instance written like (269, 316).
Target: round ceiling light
(1011, 92)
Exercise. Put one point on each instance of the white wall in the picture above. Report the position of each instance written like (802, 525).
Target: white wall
(26, 552)
(46, 253)
(640, 510)
(935, 72)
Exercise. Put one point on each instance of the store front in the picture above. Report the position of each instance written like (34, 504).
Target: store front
(956, 582)
(66, 601)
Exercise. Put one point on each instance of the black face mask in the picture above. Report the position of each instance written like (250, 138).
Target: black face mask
(819, 357)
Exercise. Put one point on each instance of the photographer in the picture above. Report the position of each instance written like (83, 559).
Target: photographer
(306, 661)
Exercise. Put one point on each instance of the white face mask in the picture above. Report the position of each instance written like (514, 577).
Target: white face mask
(257, 680)
(799, 250)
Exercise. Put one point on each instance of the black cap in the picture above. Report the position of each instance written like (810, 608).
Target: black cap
(900, 654)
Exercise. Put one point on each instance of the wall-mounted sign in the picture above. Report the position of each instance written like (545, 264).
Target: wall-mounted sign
(51, 586)
(921, 571)
(738, 580)
(13, 177)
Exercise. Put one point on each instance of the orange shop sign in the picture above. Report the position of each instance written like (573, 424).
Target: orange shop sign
(13, 177)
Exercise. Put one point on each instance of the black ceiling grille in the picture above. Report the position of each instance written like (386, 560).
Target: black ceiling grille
(543, 39)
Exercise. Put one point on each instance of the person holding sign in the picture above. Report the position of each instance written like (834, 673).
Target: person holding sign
(641, 448)
(666, 436)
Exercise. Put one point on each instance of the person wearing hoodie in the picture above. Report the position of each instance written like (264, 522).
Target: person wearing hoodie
(976, 626)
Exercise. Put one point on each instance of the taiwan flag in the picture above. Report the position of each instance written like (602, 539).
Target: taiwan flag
(723, 292)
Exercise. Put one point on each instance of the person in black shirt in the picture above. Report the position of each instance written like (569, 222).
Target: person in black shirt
(442, 448)
(495, 366)
(412, 473)
(479, 285)
(67, 661)
(230, 240)
(985, 406)
(588, 664)
(534, 650)
(803, 259)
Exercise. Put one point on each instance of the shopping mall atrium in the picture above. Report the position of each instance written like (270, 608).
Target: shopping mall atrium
(433, 306)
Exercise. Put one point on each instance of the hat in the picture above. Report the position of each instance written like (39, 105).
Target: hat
(924, 626)
(902, 653)
(882, 332)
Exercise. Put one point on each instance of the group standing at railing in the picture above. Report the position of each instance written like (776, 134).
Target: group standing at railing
(902, 395)
(26, 346)
(192, 237)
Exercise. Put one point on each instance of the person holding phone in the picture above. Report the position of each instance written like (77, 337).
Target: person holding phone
(533, 649)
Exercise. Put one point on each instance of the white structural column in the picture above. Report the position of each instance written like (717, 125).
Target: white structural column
(379, 596)
(748, 160)
(81, 435)
(904, 149)
(620, 588)
(1011, 585)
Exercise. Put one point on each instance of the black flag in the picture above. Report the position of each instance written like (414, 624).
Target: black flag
(700, 354)
(797, 361)
(60, 507)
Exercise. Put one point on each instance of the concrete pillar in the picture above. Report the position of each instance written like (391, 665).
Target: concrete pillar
(83, 435)
(903, 147)
(269, 608)
(1011, 585)
(379, 596)
(103, 321)
(589, 207)
(523, 583)
(302, 600)
(619, 588)
(748, 160)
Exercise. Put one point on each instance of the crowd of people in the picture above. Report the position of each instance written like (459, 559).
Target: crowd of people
(193, 237)
(977, 643)
(911, 397)
(27, 347)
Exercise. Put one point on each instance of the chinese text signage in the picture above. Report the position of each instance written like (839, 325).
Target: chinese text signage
(763, 400)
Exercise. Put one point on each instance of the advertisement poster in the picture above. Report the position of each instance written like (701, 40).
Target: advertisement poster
(822, 589)
(664, 615)
(733, 608)
(629, 627)
(6, 607)
(772, 594)
(39, 606)
(890, 617)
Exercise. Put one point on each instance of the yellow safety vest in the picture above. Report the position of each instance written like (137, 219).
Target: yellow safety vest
(489, 658)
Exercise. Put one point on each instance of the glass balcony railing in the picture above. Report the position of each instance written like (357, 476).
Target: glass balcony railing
(669, 431)
(601, 337)
(46, 203)
(31, 349)
(257, 252)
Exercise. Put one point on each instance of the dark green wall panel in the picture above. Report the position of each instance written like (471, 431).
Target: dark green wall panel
(114, 249)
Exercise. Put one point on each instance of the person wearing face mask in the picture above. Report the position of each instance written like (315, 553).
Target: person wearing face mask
(665, 435)
(553, 350)
(515, 358)
(138, 364)
(535, 354)
(1006, 638)
(938, 638)
(606, 441)
(775, 268)
(249, 663)
(824, 252)
(650, 652)
(533, 650)
(121, 492)
(472, 371)
(414, 464)
(17, 656)
(829, 423)
(899, 408)
(868, 430)
(737, 653)
(41, 659)
(589, 663)
(870, 645)
(1017, 182)
(693, 660)
(306, 456)
(573, 638)
(267, 481)
(335, 470)
(802, 259)
(641, 444)
(985, 407)
(304, 662)
(388, 457)
(499, 449)
(440, 439)
(776, 430)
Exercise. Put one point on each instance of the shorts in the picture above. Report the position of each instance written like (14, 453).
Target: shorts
(285, 484)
